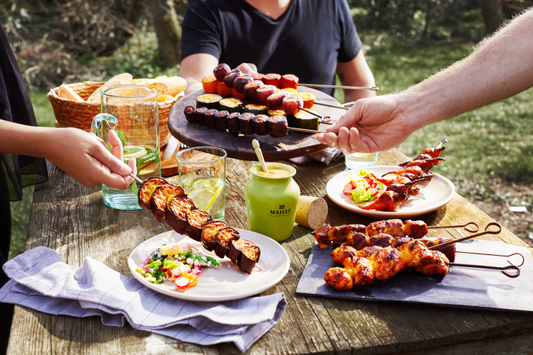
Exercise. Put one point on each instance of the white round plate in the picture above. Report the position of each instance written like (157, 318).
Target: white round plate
(433, 194)
(225, 282)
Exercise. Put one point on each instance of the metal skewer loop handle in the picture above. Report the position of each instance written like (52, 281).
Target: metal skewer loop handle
(503, 268)
(487, 231)
(466, 226)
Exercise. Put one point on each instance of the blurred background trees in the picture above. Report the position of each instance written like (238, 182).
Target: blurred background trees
(60, 40)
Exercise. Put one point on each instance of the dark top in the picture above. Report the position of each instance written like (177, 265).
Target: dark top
(16, 171)
(307, 40)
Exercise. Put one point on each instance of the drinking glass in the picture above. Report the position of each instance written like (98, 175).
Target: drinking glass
(130, 110)
(361, 160)
(202, 172)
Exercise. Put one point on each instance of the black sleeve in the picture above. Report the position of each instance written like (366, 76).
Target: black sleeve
(351, 43)
(15, 106)
(200, 30)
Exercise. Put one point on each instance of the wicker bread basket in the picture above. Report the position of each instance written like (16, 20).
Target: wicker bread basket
(80, 115)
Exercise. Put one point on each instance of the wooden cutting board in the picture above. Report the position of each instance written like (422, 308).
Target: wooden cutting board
(239, 146)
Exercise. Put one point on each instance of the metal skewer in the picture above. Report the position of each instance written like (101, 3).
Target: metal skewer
(324, 120)
(487, 231)
(330, 105)
(503, 268)
(466, 227)
(373, 88)
(305, 130)
(136, 178)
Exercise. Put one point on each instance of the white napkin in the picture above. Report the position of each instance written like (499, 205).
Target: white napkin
(41, 280)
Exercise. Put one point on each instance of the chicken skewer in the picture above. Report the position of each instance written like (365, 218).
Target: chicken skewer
(362, 267)
(380, 233)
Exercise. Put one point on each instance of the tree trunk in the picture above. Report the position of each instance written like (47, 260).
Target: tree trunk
(492, 14)
(167, 30)
(133, 12)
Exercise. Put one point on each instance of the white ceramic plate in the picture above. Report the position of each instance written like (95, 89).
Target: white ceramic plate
(224, 283)
(433, 194)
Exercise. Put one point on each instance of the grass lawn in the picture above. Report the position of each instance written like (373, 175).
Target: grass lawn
(488, 146)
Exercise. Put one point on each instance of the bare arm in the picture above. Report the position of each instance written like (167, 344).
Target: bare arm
(80, 154)
(500, 67)
(356, 73)
(194, 68)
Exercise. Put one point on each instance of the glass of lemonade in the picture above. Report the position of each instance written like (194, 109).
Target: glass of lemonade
(130, 110)
(202, 172)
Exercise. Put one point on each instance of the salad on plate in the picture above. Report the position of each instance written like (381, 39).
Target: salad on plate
(180, 263)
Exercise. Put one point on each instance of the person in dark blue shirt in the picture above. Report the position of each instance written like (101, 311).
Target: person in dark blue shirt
(312, 39)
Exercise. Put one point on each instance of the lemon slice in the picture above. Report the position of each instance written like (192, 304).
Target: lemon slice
(209, 183)
(134, 152)
(206, 192)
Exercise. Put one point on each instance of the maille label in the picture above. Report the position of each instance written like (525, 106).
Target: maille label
(280, 212)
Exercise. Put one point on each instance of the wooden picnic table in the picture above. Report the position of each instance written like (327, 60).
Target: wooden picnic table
(72, 220)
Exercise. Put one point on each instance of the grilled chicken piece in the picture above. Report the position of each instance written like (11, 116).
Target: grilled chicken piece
(386, 263)
(390, 226)
(438, 265)
(339, 279)
(425, 164)
(360, 269)
(321, 236)
(414, 253)
(448, 250)
(342, 253)
(415, 229)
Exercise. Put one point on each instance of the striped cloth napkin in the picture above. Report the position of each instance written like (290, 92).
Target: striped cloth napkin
(41, 280)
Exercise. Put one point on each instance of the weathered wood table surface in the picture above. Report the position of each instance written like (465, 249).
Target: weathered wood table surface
(72, 220)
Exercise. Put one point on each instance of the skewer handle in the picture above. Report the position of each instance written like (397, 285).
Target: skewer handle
(333, 106)
(305, 130)
(487, 231)
(372, 88)
(136, 178)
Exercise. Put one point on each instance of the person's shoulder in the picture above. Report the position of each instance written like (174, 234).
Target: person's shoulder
(212, 5)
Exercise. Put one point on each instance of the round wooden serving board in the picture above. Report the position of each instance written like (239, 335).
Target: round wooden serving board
(293, 145)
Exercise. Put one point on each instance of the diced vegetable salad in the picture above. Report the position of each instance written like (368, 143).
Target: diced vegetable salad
(180, 263)
(363, 187)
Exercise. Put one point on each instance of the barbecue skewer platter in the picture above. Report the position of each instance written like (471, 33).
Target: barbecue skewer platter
(433, 194)
(461, 287)
(293, 145)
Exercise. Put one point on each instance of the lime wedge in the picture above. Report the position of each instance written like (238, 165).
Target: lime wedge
(134, 152)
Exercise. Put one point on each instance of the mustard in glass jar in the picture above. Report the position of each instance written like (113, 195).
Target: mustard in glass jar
(272, 200)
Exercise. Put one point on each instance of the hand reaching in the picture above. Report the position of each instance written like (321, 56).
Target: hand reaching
(371, 125)
(87, 159)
